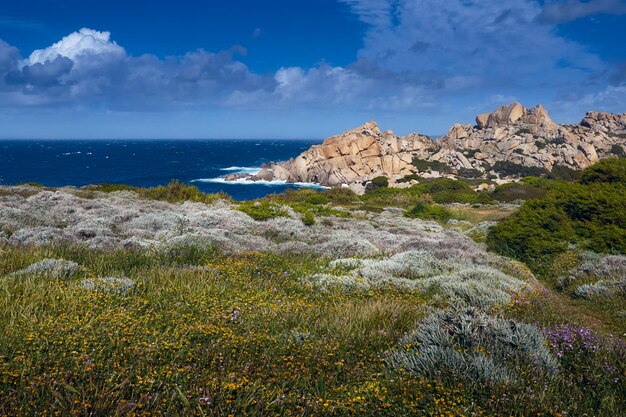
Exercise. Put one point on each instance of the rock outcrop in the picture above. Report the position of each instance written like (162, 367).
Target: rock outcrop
(355, 157)
(530, 138)
(513, 134)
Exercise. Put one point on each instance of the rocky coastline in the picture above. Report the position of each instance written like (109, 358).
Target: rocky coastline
(512, 135)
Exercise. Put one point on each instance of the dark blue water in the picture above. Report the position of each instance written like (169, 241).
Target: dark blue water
(145, 163)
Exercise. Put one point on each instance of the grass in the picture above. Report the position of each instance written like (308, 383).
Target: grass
(204, 333)
(240, 333)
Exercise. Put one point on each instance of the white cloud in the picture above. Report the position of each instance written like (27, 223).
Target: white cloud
(85, 42)
(568, 10)
(499, 41)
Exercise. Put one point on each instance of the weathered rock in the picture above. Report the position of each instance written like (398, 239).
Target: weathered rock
(511, 133)
(354, 157)
(506, 115)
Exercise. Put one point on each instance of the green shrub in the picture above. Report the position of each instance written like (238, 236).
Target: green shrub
(469, 173)
(562, 172)
(111, 188)
(618, 150)
(178, 192)
(511, 169)
(378, 182)
(423, 165)
(410, 177)
(308, 218)
(174, 192)
(341, 196)
(317, 199)
(590, 214)
(608, 171)
(517, 191)
(263, 210)
(427, 211)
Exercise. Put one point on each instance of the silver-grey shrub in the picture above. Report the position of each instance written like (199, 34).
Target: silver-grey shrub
(110, 285)
(474, 347)
(601, 289)
(53, 268)
(608, 272)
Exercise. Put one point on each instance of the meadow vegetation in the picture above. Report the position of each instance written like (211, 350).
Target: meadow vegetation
(117, 300)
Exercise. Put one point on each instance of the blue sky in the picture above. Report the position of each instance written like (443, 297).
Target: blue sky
(299, 69)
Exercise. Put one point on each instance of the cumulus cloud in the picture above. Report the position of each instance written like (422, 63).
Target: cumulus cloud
(78, 44)
(416, 55)
(569, 10)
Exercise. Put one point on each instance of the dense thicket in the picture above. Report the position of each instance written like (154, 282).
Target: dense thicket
(590, 214)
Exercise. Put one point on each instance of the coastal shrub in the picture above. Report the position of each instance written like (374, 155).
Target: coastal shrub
(469, 173)
(457, 280)
(341, 196)
(478, 233)
(377, 182)
(590, 213)
(597, 276)
(446, 191)
(514, 191)
(42, 235)
(510, 169)
(308, 218)
(601, 289)
(424, 165)
(606, 171)
(472, 347)
(317, 199)
(121, 286)
(618, 150)
(53, 268)
(563, 172)
(592, 266)
(263, 210)
(410, 177)
(177, 192)
(423, 210)
(110, 188)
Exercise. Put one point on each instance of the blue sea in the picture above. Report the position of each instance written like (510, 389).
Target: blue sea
(147, 163)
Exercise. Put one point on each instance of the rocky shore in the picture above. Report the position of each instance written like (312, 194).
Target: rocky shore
(511, 134)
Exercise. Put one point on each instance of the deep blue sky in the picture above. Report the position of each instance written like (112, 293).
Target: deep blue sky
(300, 69)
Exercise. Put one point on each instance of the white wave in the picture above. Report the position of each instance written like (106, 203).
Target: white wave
(242, 170)
(245, 181)
(72, 153)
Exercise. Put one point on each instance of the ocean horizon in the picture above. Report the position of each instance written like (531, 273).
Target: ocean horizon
(148, 162)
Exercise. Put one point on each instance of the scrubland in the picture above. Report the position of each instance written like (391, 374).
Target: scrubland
(122, 301)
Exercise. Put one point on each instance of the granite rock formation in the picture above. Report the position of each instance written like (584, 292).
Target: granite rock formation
(514, 134)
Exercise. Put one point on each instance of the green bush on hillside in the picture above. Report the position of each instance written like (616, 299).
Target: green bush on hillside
(378, 182)
(606, 171)
(174, 192)
(263, 210)
(511, 169)
(423, 210)
(590, 214)
(423, 165)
